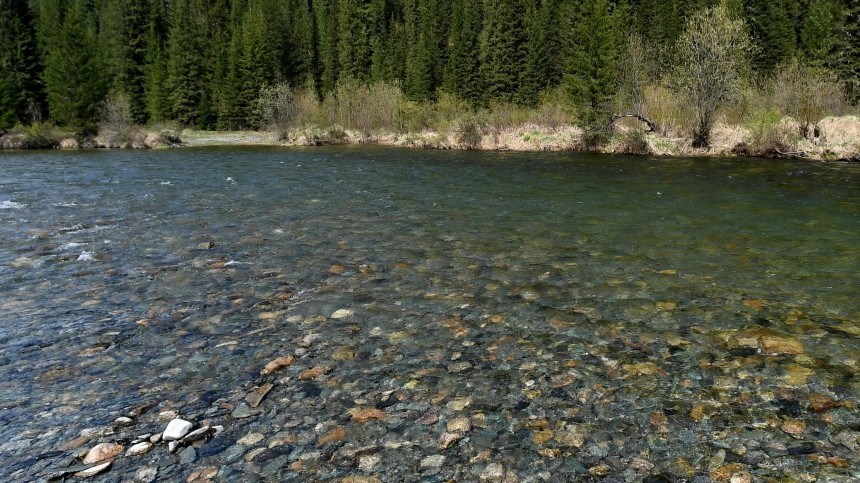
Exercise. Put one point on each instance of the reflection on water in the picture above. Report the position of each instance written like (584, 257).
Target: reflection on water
(607, 295)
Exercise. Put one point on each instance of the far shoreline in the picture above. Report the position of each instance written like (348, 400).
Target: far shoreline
(839, 142)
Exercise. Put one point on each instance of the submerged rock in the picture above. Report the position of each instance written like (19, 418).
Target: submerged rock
(102, 452)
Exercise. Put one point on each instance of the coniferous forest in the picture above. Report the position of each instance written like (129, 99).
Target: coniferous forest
(204, 63)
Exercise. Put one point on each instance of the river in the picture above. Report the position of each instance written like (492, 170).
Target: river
(446, 315)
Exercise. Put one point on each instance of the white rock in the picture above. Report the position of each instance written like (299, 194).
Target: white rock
(139, 449)
(93, 471)
(250, 438)
(172, 446)
(368, 462)
(493, 472)
(342, 313)
(123, 421)
(86, 257)
(433, 461)
(176, 429)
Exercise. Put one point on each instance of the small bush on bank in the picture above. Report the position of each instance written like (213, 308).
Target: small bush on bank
(470, 132)
(634, 142)
(316, 136)
(594, 139)
(770, 137)
(39, 135)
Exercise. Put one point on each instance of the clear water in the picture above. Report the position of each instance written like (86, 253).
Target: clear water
(535, 269)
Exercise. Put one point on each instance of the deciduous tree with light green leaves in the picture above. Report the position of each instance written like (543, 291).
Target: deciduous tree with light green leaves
(712, 57)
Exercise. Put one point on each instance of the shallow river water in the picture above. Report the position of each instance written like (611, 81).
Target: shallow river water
(440, 316)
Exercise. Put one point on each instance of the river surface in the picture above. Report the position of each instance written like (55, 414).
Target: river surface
(543, 317)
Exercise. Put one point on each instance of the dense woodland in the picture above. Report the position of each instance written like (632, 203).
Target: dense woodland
(203, 63)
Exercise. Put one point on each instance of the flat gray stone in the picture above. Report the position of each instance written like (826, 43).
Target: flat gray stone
(187, 456)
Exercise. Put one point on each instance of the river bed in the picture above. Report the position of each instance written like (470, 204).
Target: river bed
(366, 314)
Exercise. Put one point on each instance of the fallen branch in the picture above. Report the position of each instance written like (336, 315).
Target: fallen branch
(652, 126)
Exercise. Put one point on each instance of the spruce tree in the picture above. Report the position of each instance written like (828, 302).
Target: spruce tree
(818, 37)
(541, 51)
(353, 44)
(132, 59)
(849, 46)
(20, 86)
(73, 75)
(773, 29)
(590, 72)
(155, 64)
(422, 67)
(501, 52)
(186, 70)
(462, 73)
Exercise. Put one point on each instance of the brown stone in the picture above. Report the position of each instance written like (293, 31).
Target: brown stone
(314, 372)
(336, 269)
(102, 452)
(774, 344)
(336, 434)
(278, 364)
(361, 479)
(820, 403)
(793, 427)
(367, 414)
(541, 437)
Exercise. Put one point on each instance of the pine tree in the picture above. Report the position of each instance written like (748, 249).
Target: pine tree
(73, 75)
(186, 69)
(422, 66)
(818, 36)
(20, 86)
(325, 19)
(132, 60)
(256, 64)
(353, 45)
(501, 52)
(540, 69)
(462, 73)
(590, 72)
(773, 30)
(155, 68)
(849, 47)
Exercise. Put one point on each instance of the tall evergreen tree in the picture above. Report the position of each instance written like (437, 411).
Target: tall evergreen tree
(20, 66)
(818, 37)
(849, 47)
(501, 52)
(155, 68)
(73, 69)
(773, 29)
(133, 53)
(353, 44)
(186, 69)
(422, 66)
(590, 72)
(539, 69)
(462, 73)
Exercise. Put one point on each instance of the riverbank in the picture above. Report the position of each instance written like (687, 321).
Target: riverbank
(838, 139)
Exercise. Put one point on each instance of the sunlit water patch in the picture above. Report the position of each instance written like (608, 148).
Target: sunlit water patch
(436, 315)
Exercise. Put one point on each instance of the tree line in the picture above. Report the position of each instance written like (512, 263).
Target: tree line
(203, 63)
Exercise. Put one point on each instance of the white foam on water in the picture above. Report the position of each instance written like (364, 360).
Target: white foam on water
(10, 205)
(86, 257)
(232, 263)
(166, 183)
(71, 245)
